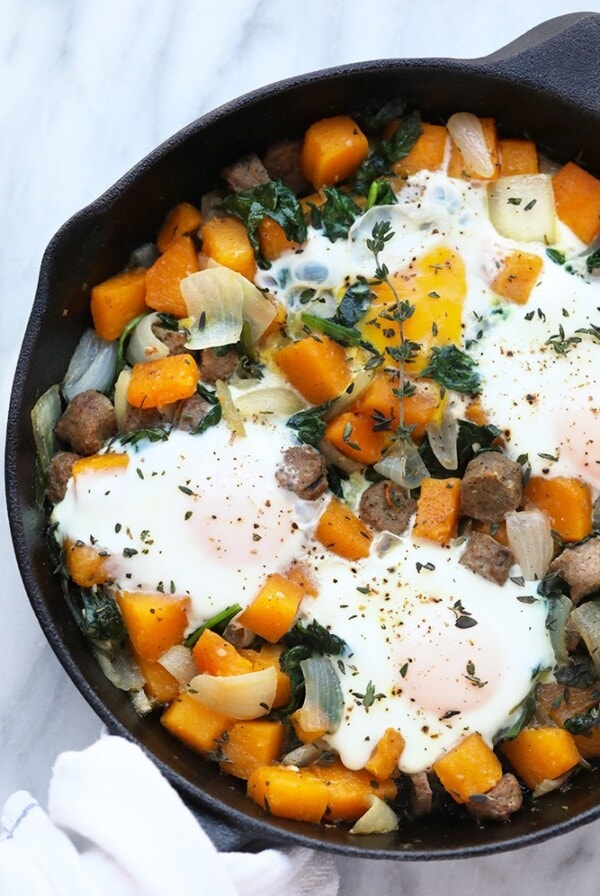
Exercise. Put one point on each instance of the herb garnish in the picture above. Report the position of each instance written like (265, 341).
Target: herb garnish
(336, 215)
(369, 697)
(271, 200)
(217, 623)
(380, 160)
(452, 368)
(309, 424)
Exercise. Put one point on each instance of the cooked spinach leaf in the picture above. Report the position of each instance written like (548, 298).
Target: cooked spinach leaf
(377, 114)
(592, 262)
(217, 623)
(355, 303)
(328, 325)
(579, 672)
(309, 424)
(453, 369)
(470, 441)
(336, 215)
(385, 152)
(96, 613)
(380, 193)
(315, 636)
(583, 723)
(271, 200)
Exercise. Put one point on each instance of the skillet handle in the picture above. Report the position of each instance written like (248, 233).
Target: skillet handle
(561, 55)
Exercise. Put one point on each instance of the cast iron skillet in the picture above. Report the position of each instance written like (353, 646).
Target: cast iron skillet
(544, 85)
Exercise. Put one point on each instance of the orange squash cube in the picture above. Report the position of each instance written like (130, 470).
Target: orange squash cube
(154, 621)
(163, 278)
(196, 725)
(316, 367)
(250, 745)
(332, 150)
(154, 384)
(540, 754)
(226, 241)
(341, 531)
(469, 768)
(117, 301)
(271, 613)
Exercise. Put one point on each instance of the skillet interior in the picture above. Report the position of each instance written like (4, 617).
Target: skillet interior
(543, 87)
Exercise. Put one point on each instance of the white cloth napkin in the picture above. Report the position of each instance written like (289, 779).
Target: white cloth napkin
(116, 826)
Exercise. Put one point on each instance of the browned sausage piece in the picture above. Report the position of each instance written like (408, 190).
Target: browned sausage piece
(216, 366)
(579, 566)
(487, 557)
(174, 339)
(499, 803)
(282, 161)
(192, 412)
(303, 471)
(421, 794)
(59, 472)
(246, 173)
(141, 418)
(387, 507)
(491, 487)
(87, 423)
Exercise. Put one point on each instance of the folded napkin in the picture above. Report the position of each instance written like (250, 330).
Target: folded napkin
(116, 826)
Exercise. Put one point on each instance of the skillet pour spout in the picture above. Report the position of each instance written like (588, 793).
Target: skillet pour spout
(543, 86)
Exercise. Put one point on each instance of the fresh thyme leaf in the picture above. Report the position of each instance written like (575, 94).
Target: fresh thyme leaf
(213, 416)
(452, 368)
(369, 697)
(527, 709)
(217, 623)
(336, 215)
(152, 433)
(168, 322)
(309, 424)
(556, 256)
(271, 200)
(593, 330)
(562, 344)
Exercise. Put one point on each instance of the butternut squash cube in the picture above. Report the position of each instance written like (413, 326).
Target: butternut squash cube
(468, 769)
(332, 150)
(117, 301)
(154, 621)
(195, 724)
(271, 613)
(540, 754)
(251, 744)
(341, 531)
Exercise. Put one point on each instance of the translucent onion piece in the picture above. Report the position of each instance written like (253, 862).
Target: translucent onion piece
(91, 367)
(231, 415)
(403, 465)
(530, 540)
(259, 310)
(559, 611)
(141, 702)
(143, 344)
(45, 414)
(585, 619)
(121, 669)
(276, 400)
(306, 754)
(443, 441)
(120, 402)
(324, 703)
(358, 385)
(378, 819)
(521, 207)
(247, 696)
(215, 300)
(547, 785)
(467, 133)
(178, 660)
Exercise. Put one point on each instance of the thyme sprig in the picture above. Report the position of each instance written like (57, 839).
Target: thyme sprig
(398, 312)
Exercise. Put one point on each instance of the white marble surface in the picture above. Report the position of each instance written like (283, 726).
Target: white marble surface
(90, 86)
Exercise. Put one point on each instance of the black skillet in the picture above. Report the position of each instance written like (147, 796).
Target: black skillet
(545, 85)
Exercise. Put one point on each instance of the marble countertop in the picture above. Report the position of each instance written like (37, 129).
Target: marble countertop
(88, 89)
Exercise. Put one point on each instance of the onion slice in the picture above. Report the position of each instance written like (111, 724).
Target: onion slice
(45, 414)
(324, 703)
(585, 619)
(231, 415)
(120, 402)
(403, 465)
(276, 400)
(221, 301)
(530, 540)
(378, 819)
(467, 134)
(246, 696)
(443, 439)
(144, 345)
(179, 662)
(92, 366)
